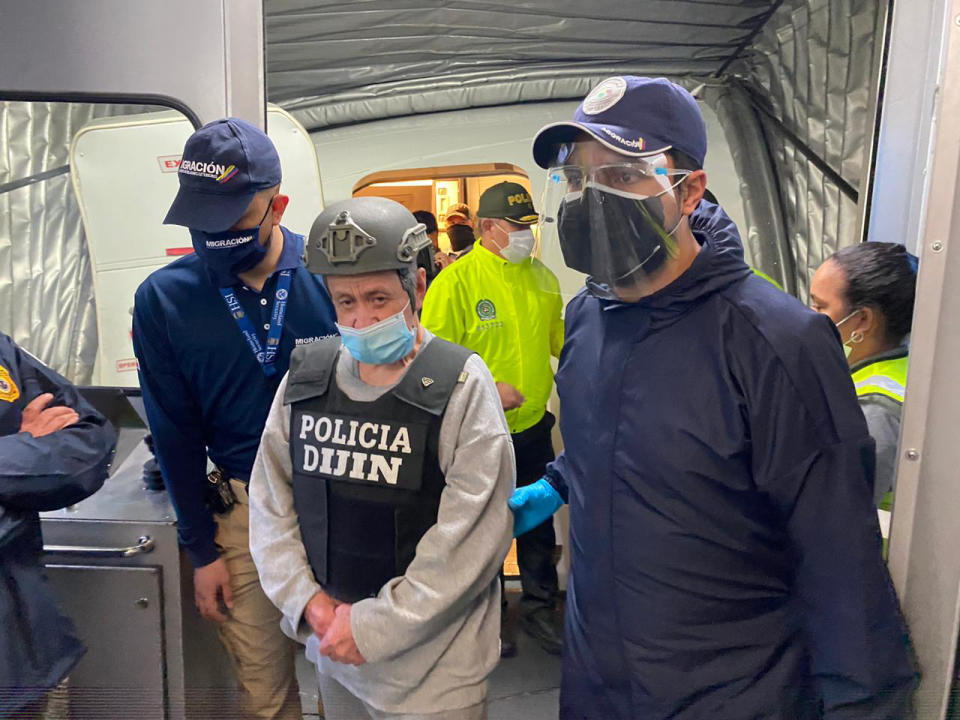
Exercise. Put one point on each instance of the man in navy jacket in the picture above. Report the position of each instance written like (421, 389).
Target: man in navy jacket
(726, 557)
(55, 450)
(213, 332)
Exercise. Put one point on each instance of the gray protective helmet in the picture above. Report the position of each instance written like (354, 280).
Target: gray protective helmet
(365, 235)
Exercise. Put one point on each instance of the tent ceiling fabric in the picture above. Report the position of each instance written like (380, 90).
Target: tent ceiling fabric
(377, 58)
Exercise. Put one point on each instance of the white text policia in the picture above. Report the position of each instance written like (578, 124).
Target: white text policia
(351, 434)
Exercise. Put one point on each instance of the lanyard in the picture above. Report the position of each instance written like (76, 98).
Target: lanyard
(264, 357)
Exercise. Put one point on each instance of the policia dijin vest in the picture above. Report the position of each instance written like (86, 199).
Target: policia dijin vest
(366, 475)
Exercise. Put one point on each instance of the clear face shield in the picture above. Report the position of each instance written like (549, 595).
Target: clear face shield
(613, 222)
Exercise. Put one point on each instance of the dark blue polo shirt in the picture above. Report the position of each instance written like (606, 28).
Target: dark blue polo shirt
(204, 391)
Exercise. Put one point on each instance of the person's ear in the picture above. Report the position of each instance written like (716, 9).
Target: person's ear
(421, 288)
(278, 206)
(868, 321)
(691, 191)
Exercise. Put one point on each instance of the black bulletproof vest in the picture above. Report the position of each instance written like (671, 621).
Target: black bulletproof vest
(366, 475)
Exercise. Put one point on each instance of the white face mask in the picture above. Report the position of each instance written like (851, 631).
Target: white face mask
(855, 337)
(519, 246)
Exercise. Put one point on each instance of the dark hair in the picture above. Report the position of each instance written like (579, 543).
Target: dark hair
(428, 219)
(682, 161)
(882, 276)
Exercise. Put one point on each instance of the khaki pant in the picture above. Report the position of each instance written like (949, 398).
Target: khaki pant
(263, 657)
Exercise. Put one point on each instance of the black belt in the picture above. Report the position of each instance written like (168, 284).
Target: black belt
(542, 427)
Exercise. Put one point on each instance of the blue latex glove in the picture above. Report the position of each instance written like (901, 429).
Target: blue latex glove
(532, 505)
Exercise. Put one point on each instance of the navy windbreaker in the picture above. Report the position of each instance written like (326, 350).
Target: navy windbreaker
(203, 389)
(726, 557)
(37, 642)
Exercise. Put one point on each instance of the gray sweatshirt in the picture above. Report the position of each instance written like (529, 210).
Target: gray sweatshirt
(430, 637)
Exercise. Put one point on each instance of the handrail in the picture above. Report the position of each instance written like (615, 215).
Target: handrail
(144, 544)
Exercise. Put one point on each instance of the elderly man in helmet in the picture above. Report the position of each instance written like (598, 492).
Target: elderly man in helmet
(378, 497)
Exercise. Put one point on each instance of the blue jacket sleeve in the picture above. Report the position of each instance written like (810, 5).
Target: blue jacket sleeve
(175, 422)
(815, 461)
(555, 476)
(64, 467)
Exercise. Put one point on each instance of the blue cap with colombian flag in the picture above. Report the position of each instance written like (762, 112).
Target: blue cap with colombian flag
(634, 116)
(225, 163)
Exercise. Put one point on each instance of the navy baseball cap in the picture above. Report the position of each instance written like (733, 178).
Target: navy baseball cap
(225, 163)
(634, 116)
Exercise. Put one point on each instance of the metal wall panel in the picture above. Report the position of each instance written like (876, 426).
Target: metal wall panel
(46, 289)
(812, 70)
(177, 51)
(113, 50)
(925, 534)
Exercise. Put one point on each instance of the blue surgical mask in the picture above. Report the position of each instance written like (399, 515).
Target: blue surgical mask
(382, 343)
(230, 252)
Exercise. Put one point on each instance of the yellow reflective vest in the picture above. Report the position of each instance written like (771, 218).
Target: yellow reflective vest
(887, 378)
(884, 377)
(510, 315)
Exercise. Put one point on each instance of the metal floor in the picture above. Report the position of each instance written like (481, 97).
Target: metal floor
(524, 687)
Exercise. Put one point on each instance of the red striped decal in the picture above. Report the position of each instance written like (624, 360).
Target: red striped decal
(179, 251)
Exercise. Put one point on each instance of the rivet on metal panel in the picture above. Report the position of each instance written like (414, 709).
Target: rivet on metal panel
(936, 246)
(913, 454)
(142, 603)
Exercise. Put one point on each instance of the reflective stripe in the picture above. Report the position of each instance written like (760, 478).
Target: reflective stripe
(880, 384)
(884, 517)
(884, 377)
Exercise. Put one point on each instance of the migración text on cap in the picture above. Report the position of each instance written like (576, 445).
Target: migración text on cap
(604, 96)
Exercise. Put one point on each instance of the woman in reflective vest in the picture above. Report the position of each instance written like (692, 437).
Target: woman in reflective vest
(868, 291)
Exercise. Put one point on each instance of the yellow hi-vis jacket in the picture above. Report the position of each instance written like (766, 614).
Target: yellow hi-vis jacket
(884, 377)
(887, 378)
(510, 315)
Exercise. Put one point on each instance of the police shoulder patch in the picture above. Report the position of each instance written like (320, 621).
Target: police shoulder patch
(8, 388)
(486, 310)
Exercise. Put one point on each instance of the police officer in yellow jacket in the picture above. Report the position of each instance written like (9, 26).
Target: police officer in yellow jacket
(505, 306)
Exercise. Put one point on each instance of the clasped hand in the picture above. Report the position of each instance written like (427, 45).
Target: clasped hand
(39, 420)
(330, 621)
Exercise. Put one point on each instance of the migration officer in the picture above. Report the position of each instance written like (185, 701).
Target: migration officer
(726, 556)
(56, 450)
(213, 332)
(378, 516)
(505, 306)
